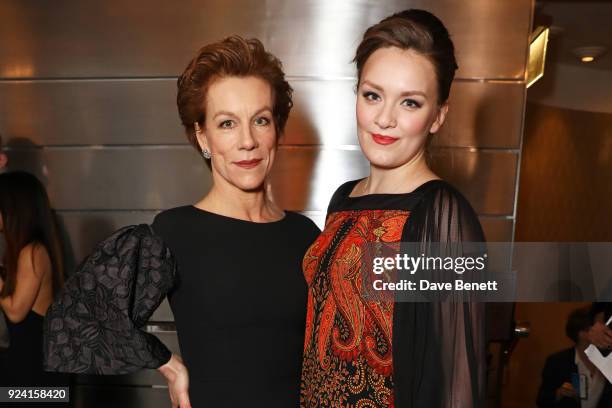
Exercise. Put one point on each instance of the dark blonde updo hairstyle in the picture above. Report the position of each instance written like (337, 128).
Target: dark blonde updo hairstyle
(417, 30)
(231, 57)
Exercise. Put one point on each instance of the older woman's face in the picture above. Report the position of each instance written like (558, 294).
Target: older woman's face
(397, 106)
(239, 131)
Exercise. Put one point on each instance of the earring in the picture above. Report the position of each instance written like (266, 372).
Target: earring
(206, 154)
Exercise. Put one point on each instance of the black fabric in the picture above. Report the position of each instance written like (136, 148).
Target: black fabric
(238, 297)
(95, 324)
(5, 340)
(439, 347)
(21, 364)
(341, 200)
(558, 369)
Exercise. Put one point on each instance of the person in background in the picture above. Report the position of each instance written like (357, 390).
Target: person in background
(566, 370)
(31, 275)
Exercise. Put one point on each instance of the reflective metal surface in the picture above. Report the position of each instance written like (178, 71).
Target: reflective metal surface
(126, 112)
(303, 178)
(83, 230)
(486, 178)
(143, 178)
(100, 101)
(484, 114)
(313, 38)
(91, 112)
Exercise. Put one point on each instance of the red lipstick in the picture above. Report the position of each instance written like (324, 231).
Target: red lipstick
(384, 140)
(248, 164)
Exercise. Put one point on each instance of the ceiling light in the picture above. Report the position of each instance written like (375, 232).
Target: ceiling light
(589, 54)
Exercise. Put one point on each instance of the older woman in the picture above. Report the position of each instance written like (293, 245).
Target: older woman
(365, 351)
(230, 263)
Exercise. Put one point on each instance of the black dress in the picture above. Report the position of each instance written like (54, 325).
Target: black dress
(235, 287)
(21, 363)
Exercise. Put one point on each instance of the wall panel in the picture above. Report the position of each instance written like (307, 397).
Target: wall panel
(135, 112)
(68, 38)
(303, 178)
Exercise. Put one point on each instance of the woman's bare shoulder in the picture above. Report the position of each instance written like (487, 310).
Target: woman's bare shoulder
(34, 257)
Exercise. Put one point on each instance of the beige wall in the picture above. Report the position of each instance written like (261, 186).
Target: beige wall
(565, 195)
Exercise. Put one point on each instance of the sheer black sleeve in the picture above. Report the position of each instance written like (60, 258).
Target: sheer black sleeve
(439, 347)
(95, 324)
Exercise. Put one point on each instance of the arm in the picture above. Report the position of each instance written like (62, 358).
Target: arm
(32, 265)
(95, 326)
(462, 324)
(449, 347)
(546, 393)
(599, 334)
(553, 388)
(177, 376)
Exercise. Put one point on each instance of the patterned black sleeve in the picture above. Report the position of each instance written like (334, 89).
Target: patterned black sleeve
(94, 326)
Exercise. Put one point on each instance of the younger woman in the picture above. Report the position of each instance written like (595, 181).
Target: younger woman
(364, 352)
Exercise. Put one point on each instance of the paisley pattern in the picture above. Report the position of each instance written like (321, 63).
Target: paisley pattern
(347, 348)
(94, 326)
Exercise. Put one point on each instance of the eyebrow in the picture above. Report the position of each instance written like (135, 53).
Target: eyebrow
(227, 113)
(405, 93)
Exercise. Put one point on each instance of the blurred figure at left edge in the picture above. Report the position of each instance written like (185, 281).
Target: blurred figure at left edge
(30, 275)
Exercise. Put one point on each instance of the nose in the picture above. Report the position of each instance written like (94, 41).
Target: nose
(248, 141)
(386, 117)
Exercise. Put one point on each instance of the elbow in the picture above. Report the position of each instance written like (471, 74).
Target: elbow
(15, 316)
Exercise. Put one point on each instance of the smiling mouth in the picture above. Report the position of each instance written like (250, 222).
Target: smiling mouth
(384, 140)
(248, 164)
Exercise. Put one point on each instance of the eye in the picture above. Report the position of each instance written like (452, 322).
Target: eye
(371, 96)
(262, 121)
(411, 103)
(226, 124)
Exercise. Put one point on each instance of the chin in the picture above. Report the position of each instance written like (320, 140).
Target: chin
(383, 160)
(249, 183)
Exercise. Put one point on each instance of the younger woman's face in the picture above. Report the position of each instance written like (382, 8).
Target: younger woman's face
(239, 131)
(397, 106)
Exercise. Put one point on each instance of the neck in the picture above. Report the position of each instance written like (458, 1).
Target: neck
(402, 179)
(253, 205)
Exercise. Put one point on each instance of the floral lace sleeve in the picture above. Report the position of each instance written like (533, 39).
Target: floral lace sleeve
(94, 326)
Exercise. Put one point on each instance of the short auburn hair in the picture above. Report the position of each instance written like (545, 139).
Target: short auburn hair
(417, 30)
(233, 56)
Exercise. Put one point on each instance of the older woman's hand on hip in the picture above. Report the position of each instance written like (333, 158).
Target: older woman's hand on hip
(177, 376)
